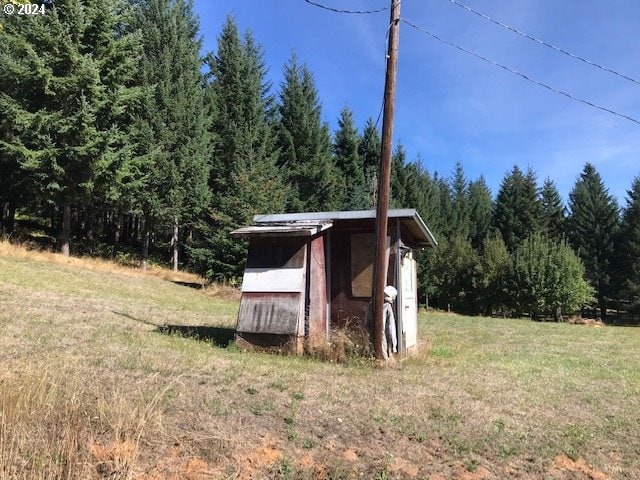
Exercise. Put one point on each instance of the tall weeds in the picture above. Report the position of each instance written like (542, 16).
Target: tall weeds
(346, 344)
(57, 425)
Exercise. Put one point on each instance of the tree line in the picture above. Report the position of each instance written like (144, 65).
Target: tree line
(118, 136)
(525, 252)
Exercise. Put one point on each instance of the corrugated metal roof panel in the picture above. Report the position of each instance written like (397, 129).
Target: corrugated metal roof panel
(283, 229)
(344, 215)
(408, 216)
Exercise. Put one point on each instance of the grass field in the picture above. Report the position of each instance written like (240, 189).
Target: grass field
(90, 387)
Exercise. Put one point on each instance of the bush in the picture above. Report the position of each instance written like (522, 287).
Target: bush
(547, 278)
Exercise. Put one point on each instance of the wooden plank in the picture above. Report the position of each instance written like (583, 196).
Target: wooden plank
(273, 280)
(275, 313)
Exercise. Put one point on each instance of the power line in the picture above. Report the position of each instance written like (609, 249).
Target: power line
(522, 75)
(336, 10)
(542, 42)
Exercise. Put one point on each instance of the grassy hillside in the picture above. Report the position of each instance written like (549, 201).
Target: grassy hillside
(92, 387)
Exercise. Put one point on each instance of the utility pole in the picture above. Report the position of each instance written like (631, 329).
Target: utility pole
(384, 180)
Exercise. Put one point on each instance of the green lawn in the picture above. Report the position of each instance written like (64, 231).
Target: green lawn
(91, 388)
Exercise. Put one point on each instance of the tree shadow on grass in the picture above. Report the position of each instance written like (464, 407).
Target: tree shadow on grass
(219, 336)
(195, 285)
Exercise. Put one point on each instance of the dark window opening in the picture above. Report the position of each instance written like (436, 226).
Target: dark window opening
(275, 252)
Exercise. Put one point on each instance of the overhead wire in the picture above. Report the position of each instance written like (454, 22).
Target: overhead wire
(515, 72)
(337, 10)
(546, 44)
(493, 62)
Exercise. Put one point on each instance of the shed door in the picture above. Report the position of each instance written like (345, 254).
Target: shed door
(409, 301)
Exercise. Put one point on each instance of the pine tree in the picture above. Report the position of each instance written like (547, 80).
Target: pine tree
(592, 228)
(552, 219)
(369, 149)
(246, 180)
(629, 250)
(399, 176)
(227, 94)
(423, 194)
(349, 164)
(460, 203)
(444, 225)
(175, 124)
(480, 211)
(14, 183)
(119, 170)
(517, 209)
(304, 142)
(66, 99)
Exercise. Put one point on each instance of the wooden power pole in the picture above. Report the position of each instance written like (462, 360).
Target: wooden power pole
(384, 180)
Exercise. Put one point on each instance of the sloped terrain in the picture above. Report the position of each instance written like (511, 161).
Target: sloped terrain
(110, 374)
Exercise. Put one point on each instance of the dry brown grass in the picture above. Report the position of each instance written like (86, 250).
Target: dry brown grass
(221, 291)
(56, 424)
(11, 250)
(347, 344)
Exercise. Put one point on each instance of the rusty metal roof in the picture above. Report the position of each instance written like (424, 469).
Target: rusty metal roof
(409, 217)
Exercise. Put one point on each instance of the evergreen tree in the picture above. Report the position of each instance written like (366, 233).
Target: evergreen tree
(246, 179)
(369, 149)
(399, 176)
(352, 189)
(219, 256)
(517, 210)
(423, 194)
(480, 211)
(629, 250)
(592, 228)
(459, 203)
(66, 99)
(119, 170)
(443, 226)
(553, 221)
(14, 183)
(175, 125)
(304, 142)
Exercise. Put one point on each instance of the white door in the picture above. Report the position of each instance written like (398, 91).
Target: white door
(409, 301)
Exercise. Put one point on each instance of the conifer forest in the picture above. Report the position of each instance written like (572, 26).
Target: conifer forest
(121, 138)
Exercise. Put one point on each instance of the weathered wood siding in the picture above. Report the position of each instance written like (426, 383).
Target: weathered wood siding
(317, 321)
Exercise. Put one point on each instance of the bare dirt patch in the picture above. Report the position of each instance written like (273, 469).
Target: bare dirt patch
(591, 322)
(564, 468)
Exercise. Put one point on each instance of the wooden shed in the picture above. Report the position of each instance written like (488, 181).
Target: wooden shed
(309, 272)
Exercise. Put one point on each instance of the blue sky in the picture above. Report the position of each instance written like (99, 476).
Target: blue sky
(453, 107)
